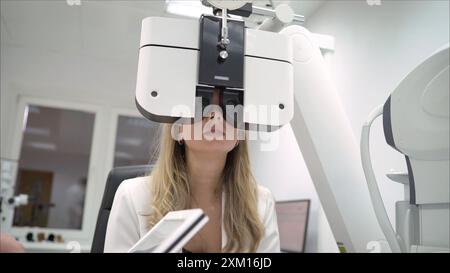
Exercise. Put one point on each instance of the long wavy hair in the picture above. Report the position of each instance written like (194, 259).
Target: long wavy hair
(171, 191)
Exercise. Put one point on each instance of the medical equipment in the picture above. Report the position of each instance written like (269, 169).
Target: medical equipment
(8, 200)
(416, 124)
(283, 72)
(172, 232)
(180, 60)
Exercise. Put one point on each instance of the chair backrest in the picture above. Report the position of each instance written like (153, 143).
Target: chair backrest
(115, 177)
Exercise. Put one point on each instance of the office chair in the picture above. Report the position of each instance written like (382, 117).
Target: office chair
(115, 177)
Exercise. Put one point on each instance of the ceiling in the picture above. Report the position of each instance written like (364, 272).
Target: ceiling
(96, 28)
(101, 29)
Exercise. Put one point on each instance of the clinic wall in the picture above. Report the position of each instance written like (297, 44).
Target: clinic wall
(60, 76)
(376, 46)
(278, 165)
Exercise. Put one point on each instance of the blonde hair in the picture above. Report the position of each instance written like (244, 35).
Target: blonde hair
(171, 191)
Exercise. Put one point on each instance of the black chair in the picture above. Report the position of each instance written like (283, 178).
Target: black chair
(115, 177)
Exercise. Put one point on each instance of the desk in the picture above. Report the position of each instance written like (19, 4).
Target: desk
(48, 247)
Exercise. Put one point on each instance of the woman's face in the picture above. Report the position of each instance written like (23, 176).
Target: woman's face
(212, 133)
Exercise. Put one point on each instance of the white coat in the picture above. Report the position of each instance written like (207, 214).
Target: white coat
(128, 220)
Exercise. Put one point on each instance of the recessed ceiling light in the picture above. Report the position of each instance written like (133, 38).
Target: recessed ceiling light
(42, 146)
(136, 142)
(187, 8)
(37, 131)
(73, 2)
(123, 155)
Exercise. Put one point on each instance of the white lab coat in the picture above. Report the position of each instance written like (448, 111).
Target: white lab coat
(128, 220)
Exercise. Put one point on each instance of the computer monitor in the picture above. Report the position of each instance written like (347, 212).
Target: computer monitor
(292, 219)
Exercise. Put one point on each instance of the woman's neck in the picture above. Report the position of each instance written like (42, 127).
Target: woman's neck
(205, 173)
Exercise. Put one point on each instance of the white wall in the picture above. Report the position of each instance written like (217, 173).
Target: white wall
(284, 172)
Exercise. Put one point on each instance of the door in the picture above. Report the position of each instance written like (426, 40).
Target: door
(38, 186)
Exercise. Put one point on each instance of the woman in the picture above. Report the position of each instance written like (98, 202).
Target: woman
(213, 174)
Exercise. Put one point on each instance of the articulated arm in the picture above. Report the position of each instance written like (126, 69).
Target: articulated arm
(329, 147)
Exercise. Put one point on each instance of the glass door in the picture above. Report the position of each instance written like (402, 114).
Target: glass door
(53, 167)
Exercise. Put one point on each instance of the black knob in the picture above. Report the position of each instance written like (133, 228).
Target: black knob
(30, 237)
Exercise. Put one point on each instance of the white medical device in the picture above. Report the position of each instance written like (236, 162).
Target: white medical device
(172, 232)
(416, 124)
(8, 198)
(182, 59)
